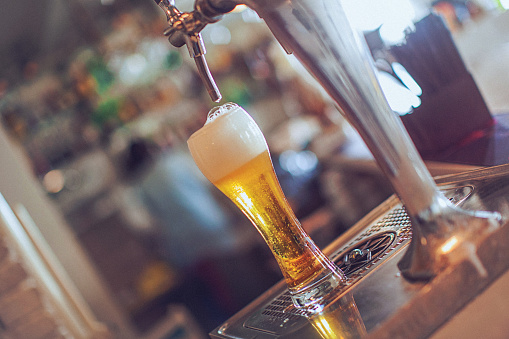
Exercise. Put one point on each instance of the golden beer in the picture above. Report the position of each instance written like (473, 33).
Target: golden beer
(339, 320)
(256, 191)
(232, 153)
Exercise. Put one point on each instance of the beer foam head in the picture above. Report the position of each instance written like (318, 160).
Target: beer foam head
(228, 140)
(220, 110)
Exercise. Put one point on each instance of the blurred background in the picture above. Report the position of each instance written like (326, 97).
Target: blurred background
(96, 107)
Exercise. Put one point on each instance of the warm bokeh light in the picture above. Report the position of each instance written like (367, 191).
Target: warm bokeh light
(53, 181)
(449, 245)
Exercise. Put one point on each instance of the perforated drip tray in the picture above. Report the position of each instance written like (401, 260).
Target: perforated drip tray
(368, 254)
(280, 315)
(355, 260)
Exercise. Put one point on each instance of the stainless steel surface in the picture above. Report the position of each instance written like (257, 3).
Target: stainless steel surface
(389, 305)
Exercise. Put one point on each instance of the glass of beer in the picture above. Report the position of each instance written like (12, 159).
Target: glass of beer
(232, 153)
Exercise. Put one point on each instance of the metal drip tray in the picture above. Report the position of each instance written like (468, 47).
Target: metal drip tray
(280, 316)
(355, 259)
(368, 254)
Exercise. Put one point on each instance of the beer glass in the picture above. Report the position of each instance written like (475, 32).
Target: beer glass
(232, 153)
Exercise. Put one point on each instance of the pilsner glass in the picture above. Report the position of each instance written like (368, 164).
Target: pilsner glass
(232, 153)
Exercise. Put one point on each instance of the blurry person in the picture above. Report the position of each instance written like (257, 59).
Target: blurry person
(194, 226)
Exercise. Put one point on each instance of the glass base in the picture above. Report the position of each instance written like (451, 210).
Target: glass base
(319, 293)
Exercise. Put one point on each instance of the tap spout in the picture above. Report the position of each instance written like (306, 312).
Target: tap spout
(197, 51)
(185, 28)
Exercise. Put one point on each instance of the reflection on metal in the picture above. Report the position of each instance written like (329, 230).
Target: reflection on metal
(368, 253)
(339, 320)
(281, 315)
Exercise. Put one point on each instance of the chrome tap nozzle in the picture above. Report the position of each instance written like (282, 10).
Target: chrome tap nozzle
(184, 29)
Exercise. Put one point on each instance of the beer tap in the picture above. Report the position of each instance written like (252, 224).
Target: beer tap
(318, 33)
(185, 28)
